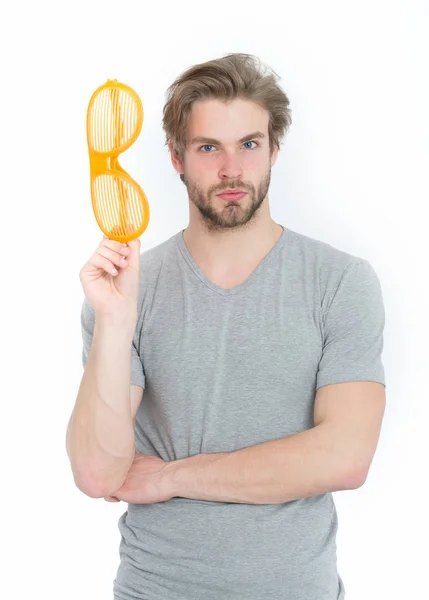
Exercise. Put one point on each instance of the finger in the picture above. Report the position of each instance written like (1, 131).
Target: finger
(120, 260)
(100, 262)
(134, 246)
(113, 245)
(131, 246)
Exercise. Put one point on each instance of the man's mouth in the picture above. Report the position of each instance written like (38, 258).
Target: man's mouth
(232, 195)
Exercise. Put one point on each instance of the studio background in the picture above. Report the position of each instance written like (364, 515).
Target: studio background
(352, 172)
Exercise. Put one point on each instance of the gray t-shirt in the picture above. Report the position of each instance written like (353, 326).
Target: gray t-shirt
(226, 369)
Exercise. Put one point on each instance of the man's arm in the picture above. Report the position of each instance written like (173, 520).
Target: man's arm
(334, 455)
(100, 432)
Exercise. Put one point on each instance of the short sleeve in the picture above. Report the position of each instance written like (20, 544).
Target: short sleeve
(87, 323)
(353, 329)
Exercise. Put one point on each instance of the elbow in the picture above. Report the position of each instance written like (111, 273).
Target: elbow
(355, 478)
(100, 480)
(91, 492)
(96, 484)
(94, 489)
(89, 487)
(360, 478)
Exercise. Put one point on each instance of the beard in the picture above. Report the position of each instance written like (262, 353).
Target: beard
(219, 214)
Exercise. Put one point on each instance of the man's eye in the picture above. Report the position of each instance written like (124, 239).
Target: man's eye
(211, 146)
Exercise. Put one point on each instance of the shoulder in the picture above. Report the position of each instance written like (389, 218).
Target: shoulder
(327, 259)
(321, 252)
(153, 259)
(328, 266)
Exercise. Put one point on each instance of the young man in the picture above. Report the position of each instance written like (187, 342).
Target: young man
(259, 352)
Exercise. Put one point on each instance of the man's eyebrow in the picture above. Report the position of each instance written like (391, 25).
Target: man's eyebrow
(207, 140)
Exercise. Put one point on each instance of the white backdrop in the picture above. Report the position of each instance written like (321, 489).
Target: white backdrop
(353, 172)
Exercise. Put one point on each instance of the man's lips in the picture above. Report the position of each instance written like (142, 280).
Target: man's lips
(232, 195)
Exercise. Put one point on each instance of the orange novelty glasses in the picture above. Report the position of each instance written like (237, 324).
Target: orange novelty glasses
(113, 124)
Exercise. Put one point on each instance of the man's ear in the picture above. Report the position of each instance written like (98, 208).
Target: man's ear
(274, 155)
(177, 164)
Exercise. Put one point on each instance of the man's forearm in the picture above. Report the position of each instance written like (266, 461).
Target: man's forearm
(100, 434)
(306, 464)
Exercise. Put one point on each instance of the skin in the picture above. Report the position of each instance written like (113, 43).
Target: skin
(228, 239)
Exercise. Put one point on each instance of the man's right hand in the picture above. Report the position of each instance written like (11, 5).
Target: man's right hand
(113, 294)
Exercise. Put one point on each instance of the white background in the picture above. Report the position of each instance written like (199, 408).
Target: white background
(353, 172)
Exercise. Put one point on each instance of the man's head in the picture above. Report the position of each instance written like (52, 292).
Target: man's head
(224, 120)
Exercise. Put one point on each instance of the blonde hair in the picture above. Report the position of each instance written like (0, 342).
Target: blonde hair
(232, 76)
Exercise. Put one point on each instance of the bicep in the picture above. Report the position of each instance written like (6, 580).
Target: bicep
(353, 411)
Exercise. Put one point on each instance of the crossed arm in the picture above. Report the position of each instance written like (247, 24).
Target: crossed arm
(334, 455)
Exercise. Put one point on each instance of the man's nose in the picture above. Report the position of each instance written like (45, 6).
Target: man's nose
(231, 167)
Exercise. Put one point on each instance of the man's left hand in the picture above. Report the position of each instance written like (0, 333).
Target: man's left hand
(149, 480)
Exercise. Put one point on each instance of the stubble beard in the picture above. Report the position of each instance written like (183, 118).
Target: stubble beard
(232, 214)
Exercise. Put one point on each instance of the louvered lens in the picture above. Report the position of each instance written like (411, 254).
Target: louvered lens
(112, 119)
(118, 205)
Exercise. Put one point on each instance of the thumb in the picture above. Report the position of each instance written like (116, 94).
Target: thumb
(134, 255)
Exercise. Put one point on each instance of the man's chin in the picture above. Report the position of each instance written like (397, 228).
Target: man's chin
(231, 218)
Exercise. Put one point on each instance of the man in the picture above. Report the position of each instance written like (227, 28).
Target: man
(259, 352)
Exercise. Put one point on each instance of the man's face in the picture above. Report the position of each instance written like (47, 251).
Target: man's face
(227, 148)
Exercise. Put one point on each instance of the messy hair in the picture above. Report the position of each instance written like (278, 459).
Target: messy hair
(232, 76)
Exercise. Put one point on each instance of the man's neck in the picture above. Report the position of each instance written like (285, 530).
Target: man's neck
(232, 250)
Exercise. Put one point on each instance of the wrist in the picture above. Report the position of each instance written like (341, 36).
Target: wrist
(171, 480)
(116, 324)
